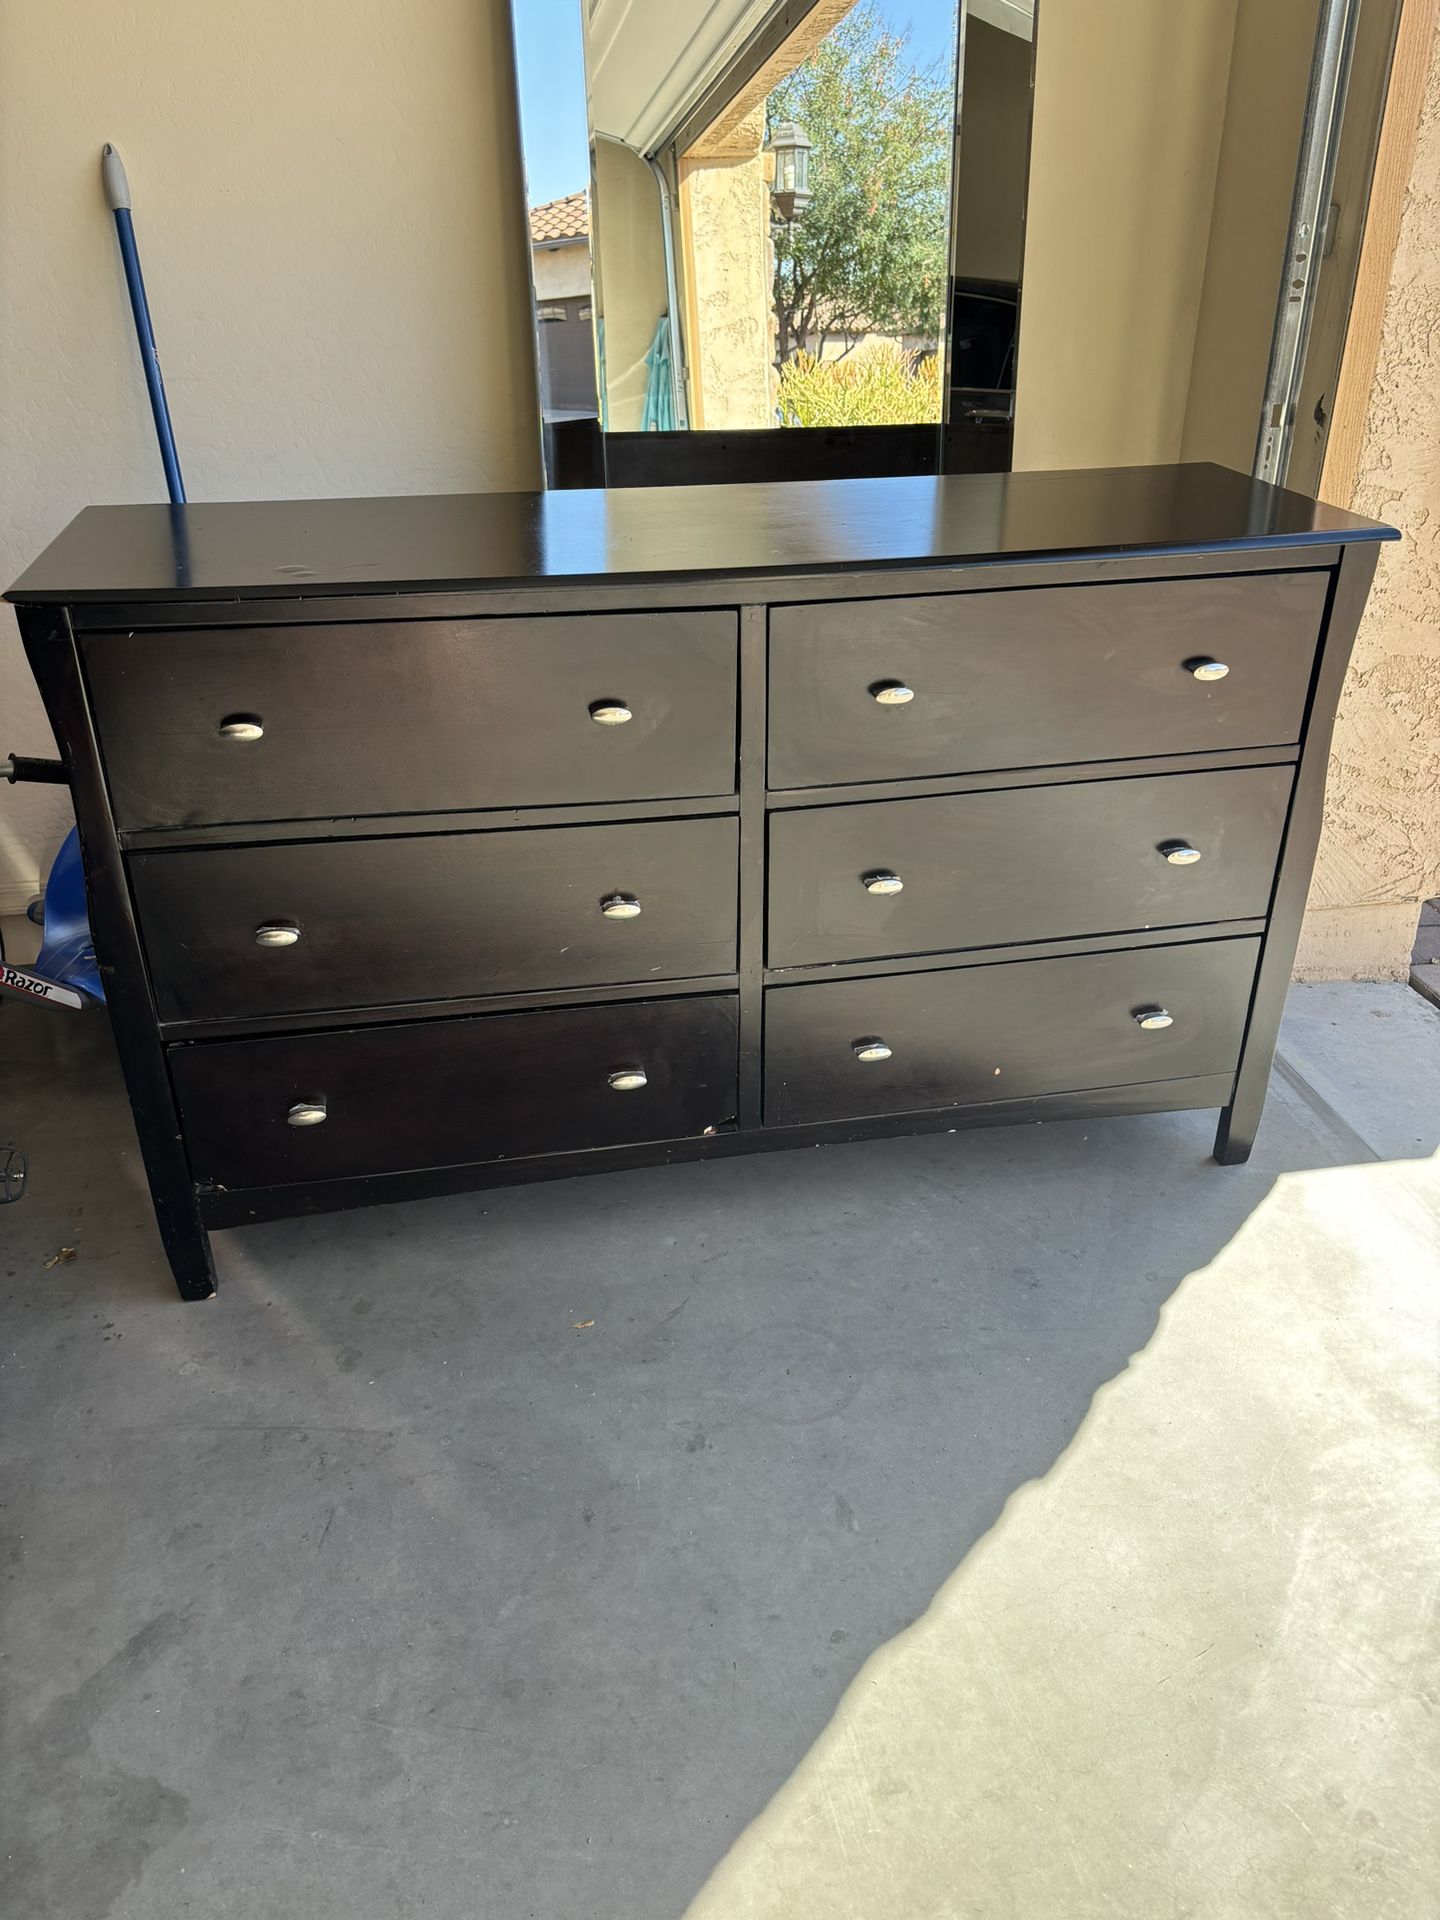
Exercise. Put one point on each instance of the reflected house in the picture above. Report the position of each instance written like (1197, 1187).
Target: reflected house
(845, 335)
(560, 261)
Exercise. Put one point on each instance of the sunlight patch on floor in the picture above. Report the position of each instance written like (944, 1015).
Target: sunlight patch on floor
(1186, 1672)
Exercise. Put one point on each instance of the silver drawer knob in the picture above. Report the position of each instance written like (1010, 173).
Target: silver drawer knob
(620, 906)
(891, 693)
(1207, 669)
(1180, 853)
(627, 1079)
(610, 713)
(872, 1049)
(1153, 1018)
(277, 933)
(306, 1113)
(241, 726)
(883, 883)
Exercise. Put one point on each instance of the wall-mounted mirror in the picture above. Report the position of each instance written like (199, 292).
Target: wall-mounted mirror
(760, 248)
(780, 239)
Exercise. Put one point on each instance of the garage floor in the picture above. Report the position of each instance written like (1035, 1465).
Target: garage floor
(1033, 1524)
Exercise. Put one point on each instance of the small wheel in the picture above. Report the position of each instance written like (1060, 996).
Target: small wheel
(35, 912)
(13, 1169)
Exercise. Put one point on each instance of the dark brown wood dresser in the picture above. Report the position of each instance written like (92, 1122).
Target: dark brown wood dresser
(442, 843)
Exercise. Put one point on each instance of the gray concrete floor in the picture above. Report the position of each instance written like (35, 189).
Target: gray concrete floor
(1035, 1522)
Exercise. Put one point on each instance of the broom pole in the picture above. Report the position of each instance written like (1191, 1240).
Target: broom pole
(117, 193)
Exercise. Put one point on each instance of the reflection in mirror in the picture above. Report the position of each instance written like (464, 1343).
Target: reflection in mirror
(778, 239)
(550, 68)
(989, 212)
(813, 225)
(770, 244)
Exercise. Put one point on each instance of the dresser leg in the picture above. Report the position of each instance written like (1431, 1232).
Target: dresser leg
(187, 1247)
(193, 1269)
(1234, 1138)
(51, 649)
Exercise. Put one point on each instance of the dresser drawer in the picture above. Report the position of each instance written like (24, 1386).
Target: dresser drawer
(349, 923)
(967, 1036)
(1025, 863)
(1043, 677)
(414, 717)
(448, 1092)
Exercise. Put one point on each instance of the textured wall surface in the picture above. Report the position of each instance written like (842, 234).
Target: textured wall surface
(1380, 854)
(329, 206)
(725, 204)
(562, 273)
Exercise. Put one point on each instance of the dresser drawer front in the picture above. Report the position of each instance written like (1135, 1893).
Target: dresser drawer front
(449, 1092)
(231, 932)
(977, 1034)
(1025, 863)
(414, 717)
(1048, 676)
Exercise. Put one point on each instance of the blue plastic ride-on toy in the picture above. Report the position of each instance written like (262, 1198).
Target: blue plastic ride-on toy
(66, 973)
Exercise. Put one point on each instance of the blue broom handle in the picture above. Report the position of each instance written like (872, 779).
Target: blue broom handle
(117, 192)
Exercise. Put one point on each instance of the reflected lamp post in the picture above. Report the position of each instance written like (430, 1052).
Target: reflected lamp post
(789, 149)
(790, 190)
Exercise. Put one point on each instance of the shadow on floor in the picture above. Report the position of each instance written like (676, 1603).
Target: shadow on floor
(508, 1553)
(1182, 1673)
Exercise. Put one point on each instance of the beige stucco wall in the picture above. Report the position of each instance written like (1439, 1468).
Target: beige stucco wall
(728, 271)
(631, 284)
(1129, 108)
(329, 204)
(563, 272)
(1380, 853)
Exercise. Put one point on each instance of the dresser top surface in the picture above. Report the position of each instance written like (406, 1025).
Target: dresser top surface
(414, 543)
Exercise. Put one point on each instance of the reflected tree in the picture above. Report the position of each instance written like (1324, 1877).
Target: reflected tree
(869, 254)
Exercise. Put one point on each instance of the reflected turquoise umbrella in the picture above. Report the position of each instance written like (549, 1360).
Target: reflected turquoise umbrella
(659, 415)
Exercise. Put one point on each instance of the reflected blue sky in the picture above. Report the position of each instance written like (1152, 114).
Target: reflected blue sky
(550, 63)
(551, 67)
